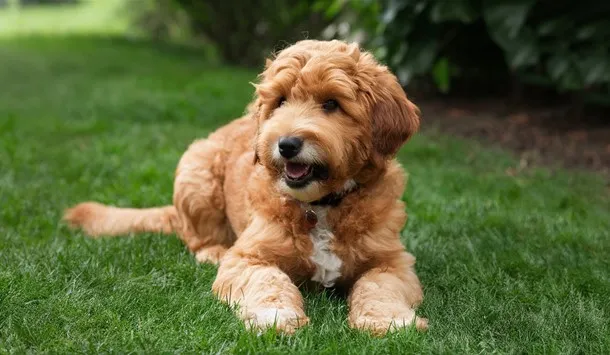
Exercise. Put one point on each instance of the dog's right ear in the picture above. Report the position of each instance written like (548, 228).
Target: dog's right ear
(256, 159)
(255, 107)
(254, 111)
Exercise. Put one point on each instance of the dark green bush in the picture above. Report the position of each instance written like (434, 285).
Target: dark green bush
(243, 32)
(159, 19)
(455, 45)
(560, 44)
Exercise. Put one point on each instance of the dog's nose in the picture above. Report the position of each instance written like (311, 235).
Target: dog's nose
(290, 146)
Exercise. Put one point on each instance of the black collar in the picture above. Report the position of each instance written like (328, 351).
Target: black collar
(333, 199)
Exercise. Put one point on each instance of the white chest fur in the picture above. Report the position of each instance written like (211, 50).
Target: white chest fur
(328, 265)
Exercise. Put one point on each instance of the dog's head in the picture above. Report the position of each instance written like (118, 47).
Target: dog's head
(328, 116)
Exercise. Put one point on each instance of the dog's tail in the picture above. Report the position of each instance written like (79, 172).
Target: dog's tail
(97, 220)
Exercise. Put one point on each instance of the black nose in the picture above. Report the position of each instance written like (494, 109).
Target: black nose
(290, 146)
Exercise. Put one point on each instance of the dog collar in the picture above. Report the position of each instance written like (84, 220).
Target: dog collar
(333, 199)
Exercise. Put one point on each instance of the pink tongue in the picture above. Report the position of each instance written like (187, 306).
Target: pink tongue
(296, 170)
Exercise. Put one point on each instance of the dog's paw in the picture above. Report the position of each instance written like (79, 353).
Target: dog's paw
(282, 319)
(210, 255)
(380, 325)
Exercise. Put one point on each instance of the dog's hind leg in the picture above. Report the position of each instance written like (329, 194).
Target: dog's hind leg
(211, 254)
(199, 200)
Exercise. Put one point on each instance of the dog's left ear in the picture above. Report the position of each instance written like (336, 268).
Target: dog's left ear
(395, 118)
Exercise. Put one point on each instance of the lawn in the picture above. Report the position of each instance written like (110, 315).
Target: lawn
(510, 264)
(89, 16)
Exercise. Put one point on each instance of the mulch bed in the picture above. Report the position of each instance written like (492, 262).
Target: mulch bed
(539, 135)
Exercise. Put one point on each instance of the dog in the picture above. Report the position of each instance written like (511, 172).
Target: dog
(304, 188)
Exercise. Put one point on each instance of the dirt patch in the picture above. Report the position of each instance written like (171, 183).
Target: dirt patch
(539, 135)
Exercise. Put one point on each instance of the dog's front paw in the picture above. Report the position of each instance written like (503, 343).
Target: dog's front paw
(285, 320)
(381, 324)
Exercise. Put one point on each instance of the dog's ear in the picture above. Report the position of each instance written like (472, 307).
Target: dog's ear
(395, 118)
(256, 159)
(255, 107)
(254, 111)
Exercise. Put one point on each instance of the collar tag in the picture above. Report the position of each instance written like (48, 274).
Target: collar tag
(311, 218)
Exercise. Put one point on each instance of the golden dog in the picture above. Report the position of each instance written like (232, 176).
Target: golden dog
(303, 188)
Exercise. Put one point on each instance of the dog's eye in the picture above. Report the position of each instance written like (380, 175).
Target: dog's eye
(330, 105)
(281, 101)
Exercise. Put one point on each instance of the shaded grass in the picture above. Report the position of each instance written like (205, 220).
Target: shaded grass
(509, 264)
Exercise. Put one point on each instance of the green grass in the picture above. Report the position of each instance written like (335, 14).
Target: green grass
(88, 16)
(509, 264)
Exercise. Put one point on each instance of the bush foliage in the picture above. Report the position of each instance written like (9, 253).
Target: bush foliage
(562, 44)
(242, 31)
(488, 45)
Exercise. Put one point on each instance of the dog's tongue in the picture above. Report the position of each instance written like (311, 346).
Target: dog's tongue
(296, 170)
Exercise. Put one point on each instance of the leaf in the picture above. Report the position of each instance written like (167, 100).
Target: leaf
(320, 5)
(505, 21)
(404, 75)
(522, 51)
(600, 29)
(420, 55)
(524, 55)
(564, 71)
(333, 9)
(557, 65)
(419, 7)
(456, 10)
(595, 68)
(555, 26)
(506, 16)
(394, 6)
(399, 54)
(442, 75)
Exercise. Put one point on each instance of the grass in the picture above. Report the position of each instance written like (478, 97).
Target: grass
(509, 264)
(88, 16)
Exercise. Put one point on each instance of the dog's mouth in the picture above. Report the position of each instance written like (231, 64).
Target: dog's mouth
(299, 175)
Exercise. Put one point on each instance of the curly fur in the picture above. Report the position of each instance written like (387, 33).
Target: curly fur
(240, 214)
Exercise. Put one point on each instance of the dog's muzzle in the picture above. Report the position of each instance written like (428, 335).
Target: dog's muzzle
(301, 165)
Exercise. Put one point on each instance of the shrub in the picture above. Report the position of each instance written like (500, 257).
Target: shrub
(562, 44)
(243, 32)
(159, 19)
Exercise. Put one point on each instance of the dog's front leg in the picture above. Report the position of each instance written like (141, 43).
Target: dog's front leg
(265, 296)
(249, 277)
(385, 297)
